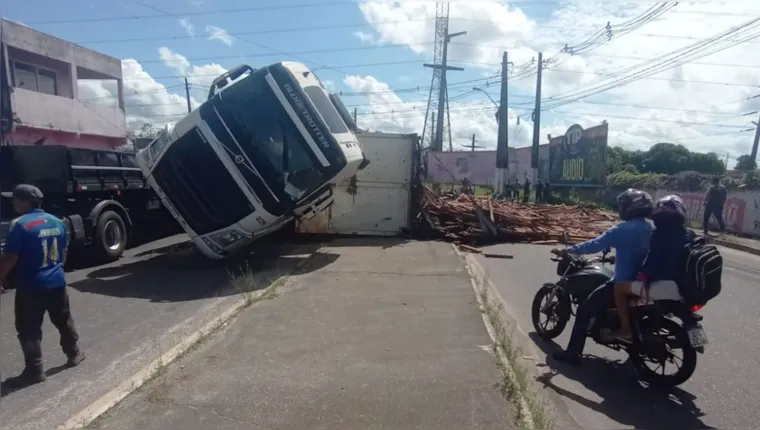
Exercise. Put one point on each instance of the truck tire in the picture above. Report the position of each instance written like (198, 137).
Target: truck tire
(110, 236)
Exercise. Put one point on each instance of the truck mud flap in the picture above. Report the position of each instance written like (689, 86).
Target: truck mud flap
(75, 227)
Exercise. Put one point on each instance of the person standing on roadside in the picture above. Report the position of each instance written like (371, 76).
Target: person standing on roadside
(36, 248)
(715, 201)
(539, 191)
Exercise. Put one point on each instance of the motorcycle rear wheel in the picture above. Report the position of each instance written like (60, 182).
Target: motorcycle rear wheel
(680, 338)
(561, 310)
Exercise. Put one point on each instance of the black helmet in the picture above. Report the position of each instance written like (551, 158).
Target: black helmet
(670, 208)
(633, 203)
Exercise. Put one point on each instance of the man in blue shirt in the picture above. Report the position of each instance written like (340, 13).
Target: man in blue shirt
(630, 239)
(35, 251)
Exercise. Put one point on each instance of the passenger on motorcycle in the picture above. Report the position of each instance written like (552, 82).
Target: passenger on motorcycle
(663, 267)
(630, 239)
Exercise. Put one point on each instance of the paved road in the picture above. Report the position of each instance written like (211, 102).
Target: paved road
(601, 394)
(388, 335)
(127, 313)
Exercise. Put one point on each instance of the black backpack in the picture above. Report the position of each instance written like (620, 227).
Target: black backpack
(703, 272)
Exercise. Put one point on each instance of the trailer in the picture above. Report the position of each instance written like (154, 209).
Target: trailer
(101, 196)
(380, 200)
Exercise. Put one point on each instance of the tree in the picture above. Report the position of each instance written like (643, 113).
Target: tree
(745, 163)
(664, 158)
(667, 158)
(147, 131)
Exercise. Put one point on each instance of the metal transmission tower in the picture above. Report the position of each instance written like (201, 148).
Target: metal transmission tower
(437, 129)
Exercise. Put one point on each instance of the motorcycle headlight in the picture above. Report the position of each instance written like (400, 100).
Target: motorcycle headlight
(227, 238)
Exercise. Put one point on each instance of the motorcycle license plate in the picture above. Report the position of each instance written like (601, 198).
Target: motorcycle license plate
(697, 336)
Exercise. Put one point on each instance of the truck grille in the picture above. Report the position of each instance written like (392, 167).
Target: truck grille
(199, 186)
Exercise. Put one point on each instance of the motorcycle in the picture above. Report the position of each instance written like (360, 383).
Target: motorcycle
(656, 331)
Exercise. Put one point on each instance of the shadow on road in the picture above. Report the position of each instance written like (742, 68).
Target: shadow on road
(180, 273)
(625, 399)
(349, 241)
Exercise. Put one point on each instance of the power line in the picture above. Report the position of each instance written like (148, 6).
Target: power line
(188, 13)
(268, 48)
(605, 115)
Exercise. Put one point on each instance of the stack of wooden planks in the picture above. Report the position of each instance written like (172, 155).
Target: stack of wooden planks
(455, 217)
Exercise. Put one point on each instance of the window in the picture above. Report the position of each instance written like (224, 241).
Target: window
(34, 78)
(46, 82)
(326, 110)
(253, 113)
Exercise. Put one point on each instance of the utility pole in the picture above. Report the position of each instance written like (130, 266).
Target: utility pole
(502, 143)
(437, 130)
(537, 120)
(753, 155)
(443, 124)
(356, 114)
(187, 96)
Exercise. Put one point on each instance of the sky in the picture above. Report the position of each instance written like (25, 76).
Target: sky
(658, 75)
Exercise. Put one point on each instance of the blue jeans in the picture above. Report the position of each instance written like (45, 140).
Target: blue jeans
(595, 305)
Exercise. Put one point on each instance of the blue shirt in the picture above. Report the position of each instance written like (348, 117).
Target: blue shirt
(39, 241)
(630, 239)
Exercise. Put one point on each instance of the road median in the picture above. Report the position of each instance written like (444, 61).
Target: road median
(387, 335)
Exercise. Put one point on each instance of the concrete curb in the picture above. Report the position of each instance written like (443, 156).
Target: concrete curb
(736, 246)
(102, 405)
(485, 287)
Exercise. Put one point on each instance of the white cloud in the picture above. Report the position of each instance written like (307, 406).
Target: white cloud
(188, 26)
(364, 36)
(220, 34)
(384, 110)
(150, 101)
(640, 113)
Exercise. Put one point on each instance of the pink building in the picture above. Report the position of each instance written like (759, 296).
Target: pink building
(42, 73)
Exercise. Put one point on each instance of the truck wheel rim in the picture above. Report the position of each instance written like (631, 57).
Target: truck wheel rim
(113, 235)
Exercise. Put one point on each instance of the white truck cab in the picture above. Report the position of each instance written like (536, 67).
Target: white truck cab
(261, 151)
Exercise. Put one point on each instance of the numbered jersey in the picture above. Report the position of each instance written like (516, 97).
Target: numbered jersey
(39, 241)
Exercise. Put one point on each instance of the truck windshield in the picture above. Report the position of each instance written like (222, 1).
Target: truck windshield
(270, 139)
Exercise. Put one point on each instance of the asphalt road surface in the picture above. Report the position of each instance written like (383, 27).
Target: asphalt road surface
(127, 313)
(604, 393)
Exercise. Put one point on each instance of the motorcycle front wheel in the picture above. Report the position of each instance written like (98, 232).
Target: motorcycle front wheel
(660, 339)
(555, 307)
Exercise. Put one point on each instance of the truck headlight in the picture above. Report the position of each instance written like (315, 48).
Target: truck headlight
(227, 238)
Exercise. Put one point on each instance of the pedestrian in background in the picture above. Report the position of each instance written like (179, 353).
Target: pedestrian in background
(36, 248)
(539, 191)
(526, 191)
(547, 192)
(715, 201)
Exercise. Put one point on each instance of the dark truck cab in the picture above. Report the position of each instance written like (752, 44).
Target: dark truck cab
(100, 195)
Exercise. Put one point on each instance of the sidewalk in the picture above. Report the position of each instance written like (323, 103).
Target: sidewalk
(389, 335)
(751, 246)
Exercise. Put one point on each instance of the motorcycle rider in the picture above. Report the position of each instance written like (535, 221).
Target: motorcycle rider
(659, 277)
(630, 239)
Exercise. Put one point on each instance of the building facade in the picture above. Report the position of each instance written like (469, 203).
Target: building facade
(480, 166)
(40, 79)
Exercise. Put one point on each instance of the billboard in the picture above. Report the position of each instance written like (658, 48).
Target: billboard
(579, 158)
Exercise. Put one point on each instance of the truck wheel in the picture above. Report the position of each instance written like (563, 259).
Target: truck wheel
(111, 236)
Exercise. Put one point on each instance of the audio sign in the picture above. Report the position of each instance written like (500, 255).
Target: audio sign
(578, 158)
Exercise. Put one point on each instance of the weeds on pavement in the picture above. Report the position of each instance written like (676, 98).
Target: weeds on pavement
(517, 386)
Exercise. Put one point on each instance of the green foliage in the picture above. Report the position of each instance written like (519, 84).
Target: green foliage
(745, 163)
(663, 158)
(147, 130)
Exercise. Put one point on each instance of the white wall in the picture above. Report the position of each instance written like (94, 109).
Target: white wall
(741, 213)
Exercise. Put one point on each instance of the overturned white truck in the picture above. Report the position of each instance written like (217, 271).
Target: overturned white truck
(261, 151)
